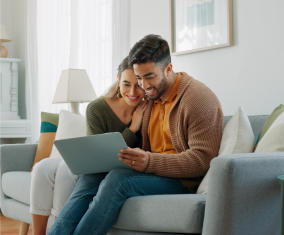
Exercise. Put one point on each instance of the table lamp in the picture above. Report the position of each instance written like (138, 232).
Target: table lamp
(4, 37)
(74, 87)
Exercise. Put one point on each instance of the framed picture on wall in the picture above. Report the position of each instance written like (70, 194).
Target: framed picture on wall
(198, 25)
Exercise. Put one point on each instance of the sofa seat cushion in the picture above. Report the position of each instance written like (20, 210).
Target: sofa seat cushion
(181, 213)
(16, 185)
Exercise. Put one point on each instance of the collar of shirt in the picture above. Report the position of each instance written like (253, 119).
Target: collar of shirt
(173, 93)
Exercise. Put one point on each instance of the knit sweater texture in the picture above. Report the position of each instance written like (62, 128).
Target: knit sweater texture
(101, 119)
(195, 123)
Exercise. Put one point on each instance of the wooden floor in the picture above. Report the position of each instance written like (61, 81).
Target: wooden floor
(9, 226)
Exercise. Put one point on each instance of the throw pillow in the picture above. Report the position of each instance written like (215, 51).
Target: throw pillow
(70, 125)
(238, 137)
(48, 127)
(275, 113)
(273, 139)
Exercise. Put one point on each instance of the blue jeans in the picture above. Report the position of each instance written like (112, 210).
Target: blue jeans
(94, 205)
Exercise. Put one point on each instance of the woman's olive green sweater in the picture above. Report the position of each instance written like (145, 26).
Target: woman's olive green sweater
(101, 119)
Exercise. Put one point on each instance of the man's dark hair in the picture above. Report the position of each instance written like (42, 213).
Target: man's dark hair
(151, 48)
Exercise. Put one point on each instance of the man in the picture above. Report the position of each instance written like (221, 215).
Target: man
(181, 130)
(182, 125)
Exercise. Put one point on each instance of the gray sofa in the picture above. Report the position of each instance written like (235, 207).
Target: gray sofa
(243, 196)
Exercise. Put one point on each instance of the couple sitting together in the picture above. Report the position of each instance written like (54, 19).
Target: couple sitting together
(172, 124)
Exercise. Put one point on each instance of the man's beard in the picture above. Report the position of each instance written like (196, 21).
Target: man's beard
(161, 89)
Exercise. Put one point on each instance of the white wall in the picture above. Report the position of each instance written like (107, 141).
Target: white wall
(250, 73)
(13, 16)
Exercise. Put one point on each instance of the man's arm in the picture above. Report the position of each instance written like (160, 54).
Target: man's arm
(203, 139)
(202, 136)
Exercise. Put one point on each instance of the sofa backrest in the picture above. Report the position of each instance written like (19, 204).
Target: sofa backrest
(256, 121)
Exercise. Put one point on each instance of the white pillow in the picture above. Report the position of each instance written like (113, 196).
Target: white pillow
(70, 125)
(273, 139)
(238, 137)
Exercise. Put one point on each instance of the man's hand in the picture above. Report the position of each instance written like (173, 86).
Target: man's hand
(135, 158)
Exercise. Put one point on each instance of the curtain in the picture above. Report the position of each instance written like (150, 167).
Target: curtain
(120, 32)
(89, 34)
(33, 113)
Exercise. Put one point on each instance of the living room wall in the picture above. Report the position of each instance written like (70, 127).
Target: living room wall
(249, 73)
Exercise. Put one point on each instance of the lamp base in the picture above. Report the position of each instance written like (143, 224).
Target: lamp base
(3, 52)
(75, 107)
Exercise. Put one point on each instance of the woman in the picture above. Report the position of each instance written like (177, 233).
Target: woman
(120, 110)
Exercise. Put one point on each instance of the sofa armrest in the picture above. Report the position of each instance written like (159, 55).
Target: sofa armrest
(17, 157)
(244, 194)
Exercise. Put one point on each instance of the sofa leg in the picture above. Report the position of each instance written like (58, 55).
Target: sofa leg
(24, 228)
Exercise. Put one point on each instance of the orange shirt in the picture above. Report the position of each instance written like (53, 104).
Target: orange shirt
(158, 129)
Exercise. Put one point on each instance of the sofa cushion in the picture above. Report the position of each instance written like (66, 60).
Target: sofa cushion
(273, 139)
(70, 125)
(161, 213)
(238, 137)
(272, 117)
(181, 213)
(16, 185)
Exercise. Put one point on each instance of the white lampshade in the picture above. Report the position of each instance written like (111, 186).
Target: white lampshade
(4, 36)
(74, 86)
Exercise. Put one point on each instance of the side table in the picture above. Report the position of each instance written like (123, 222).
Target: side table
(281, 181)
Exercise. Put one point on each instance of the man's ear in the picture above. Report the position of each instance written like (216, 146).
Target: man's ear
(168, 69)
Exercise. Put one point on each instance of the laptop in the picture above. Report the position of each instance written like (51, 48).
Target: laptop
(92, 154)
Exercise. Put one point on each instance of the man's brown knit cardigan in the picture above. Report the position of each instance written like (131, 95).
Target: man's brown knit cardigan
(195, 123)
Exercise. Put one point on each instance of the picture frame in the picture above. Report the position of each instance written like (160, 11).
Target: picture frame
(199, 25)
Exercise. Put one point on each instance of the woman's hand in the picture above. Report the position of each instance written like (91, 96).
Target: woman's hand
(137, 117)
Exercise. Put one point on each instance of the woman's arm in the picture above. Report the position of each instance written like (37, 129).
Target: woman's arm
(97, 124)
(94, 124)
